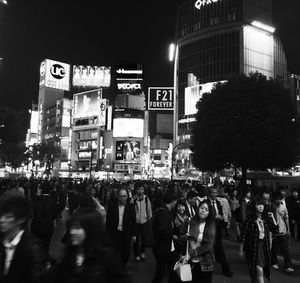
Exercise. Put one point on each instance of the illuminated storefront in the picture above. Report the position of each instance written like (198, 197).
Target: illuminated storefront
(216, 39)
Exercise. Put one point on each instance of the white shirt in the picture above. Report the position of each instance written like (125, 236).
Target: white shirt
(10, 248)
(121, 216)
(215, 207)
(191, 209)
(261, 228)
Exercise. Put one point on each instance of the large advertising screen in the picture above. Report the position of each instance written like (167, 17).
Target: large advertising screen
(128, 127)
(54, 74)
(91, 76)
(86, 104)
(128, 151)
(193, 94)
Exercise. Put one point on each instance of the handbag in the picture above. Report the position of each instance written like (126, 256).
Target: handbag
(182, 269)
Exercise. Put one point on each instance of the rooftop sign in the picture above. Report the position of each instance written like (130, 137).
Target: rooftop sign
(200, 3)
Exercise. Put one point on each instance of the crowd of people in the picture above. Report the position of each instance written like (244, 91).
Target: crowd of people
(107, 221)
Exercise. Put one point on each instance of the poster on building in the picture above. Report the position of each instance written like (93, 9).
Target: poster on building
(161, 98)
(54, 74)
(128, 151)
(87, 104)
(91, 76)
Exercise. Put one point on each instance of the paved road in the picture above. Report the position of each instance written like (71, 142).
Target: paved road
(143, 272)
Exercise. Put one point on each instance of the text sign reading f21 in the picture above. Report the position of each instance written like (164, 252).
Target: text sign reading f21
(161, 98)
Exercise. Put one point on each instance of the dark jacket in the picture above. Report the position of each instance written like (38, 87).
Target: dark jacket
(163, 233)
(28, 264)
(112, 220)
(187, 212)
(101, 266)
(44, 212)
(293, 206)
(250, 245)
(205, 252)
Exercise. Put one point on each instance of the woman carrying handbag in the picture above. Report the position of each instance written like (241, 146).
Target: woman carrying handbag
(201, 238)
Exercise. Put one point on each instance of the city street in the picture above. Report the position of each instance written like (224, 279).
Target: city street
(143, 272)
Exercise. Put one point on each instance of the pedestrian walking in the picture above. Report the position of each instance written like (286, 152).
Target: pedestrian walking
(143, 212)
(163, 237)
(21, 257)
(89, 257)
(201, 239)
(280, 241)
(120, 224)
(256, 241)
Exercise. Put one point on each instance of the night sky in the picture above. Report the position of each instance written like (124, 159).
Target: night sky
(98, 32)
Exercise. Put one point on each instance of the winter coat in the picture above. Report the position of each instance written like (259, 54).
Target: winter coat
(250, 245)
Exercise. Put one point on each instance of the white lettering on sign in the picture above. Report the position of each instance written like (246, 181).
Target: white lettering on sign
(201, 3)
(57, 71)
(129, 86)
(164, 95)
(123, 71)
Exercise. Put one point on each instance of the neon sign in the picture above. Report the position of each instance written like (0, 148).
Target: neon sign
(201, 3)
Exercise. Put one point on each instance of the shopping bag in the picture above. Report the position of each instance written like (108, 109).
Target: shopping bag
(183, 271)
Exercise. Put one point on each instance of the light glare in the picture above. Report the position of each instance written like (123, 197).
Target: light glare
(171, 52)
(263, 26)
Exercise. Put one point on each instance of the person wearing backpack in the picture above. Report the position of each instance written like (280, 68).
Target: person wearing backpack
(143, 213)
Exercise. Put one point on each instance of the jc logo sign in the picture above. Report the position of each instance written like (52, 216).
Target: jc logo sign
(58, 71)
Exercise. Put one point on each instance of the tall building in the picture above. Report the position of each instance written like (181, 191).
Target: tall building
(215, 39)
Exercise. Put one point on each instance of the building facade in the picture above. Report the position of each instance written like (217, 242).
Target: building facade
(214, 40)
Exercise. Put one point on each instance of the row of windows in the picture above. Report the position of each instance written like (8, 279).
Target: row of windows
(191, 19)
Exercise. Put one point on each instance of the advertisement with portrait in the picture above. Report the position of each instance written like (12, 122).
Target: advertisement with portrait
(128, 127)
(91, 76)
(86, 104)
(128, 151)
(54, 74)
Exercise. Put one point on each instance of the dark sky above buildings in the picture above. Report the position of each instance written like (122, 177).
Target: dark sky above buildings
(102, 32)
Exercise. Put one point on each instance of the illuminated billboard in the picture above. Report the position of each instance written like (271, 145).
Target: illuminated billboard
(91, 76)
(87, 104)
(129, 78)
(128, 151)
(161, 98)
(34, 121)
(54, 74)
(193, 94)
(126, 72)
(128, 127)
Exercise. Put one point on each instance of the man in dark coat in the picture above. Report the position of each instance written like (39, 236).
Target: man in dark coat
(163, 236)
(120, 224)
(21, 258)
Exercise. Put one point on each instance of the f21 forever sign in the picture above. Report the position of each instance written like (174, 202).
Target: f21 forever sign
(161, 98)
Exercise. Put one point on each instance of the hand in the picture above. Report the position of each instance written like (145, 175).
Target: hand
(134, 239)
(175, 238)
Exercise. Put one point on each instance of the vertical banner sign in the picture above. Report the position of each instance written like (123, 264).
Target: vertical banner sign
(161, 98)
(102, 115)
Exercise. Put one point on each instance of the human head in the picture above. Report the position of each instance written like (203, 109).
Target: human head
(169, 198)
(282, 190)
(192, 198)
(205, 211)
(180, 208)
(277, 198)
(139, 188)
(122, 196)
(213, 192)
(248, 194)
(14, 212)
(266, 195)
(86, 228)
(257, 206)
(295, 194)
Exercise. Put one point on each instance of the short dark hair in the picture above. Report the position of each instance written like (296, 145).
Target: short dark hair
(169, 196)
(138, 184)
(15, 203)
(191, 194)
